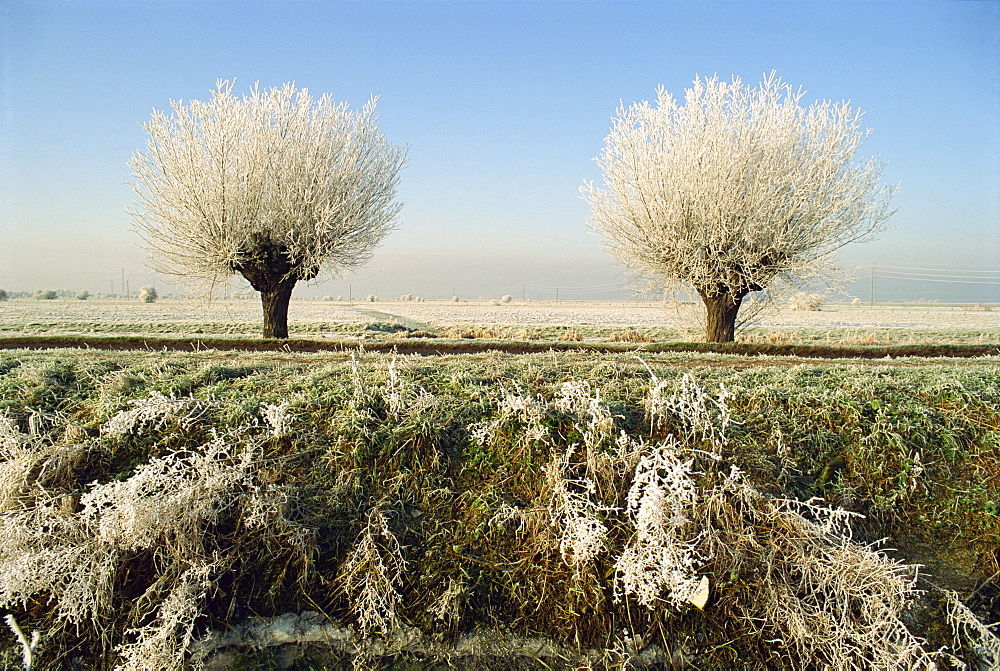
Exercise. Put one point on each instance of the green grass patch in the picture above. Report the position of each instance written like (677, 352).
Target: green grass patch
(447, 461)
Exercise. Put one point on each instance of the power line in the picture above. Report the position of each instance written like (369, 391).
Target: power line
(931, 279)
(900, 271)
(951, 269)
(582, 287)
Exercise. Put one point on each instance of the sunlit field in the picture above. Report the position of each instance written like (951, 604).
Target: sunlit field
(496, 510)
(835, 323)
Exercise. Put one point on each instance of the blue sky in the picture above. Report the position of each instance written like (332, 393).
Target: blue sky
(504, 105)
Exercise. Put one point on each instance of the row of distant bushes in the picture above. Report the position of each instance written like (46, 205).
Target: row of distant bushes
(146, 294)
(372, 298)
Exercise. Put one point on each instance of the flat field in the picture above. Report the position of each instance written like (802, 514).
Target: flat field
(840, 324)
(557, 509)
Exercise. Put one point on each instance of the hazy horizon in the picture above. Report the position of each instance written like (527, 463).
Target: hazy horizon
(504, 105)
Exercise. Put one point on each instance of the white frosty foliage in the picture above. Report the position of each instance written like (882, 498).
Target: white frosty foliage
(576, 398)
(736, 189)
(967, 627)
(530, 411)
(371, 574)
(819, 519)
(582, 536)
(73, 554)
(571, 482)
(164, 644)
(828, 599)
(153, 413)
(266, 510)
(18, 457)
(27, 647)
(46, 552)
(402, 397)
(74, 557)
(278, 418)
(10, 436)
(446, 608)
(806, 302)
(702, 417)
(169, 498)
(226, 180)
(525, 408)
(660, 503)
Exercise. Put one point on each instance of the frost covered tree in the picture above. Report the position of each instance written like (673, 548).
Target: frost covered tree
(148, 294)
(735, 190)
(276, 186)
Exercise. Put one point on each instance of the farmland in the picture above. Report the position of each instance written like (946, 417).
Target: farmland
(842, 324)
(496, 508)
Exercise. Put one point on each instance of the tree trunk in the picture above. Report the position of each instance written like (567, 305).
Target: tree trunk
(720, 311)
(275, 301)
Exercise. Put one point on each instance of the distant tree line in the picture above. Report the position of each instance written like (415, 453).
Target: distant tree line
(147, 294)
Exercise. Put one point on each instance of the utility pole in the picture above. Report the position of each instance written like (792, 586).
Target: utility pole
(871, 288)
(123, 282)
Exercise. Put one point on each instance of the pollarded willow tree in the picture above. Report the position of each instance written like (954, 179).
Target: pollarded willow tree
(735, 190)
(276, 186)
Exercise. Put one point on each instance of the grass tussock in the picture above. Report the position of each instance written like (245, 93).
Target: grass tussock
(613, 507)
(629, 335)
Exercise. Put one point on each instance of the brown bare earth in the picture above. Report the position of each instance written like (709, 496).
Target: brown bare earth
(434, 346)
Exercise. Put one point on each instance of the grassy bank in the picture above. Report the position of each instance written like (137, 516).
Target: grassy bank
(837, 336)
(581, 498)
(422, 344)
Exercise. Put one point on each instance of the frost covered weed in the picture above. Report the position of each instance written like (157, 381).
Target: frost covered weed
(403, 398)
(27, 461)
(571, 485)
(27, 646)
(394, 392)
(825, 598)
(513, 407)
(969, 631)
(357, 381)
(573, 512)
(74, 555)
(577, 398)
(164, 643)
(10, 436)
(702, 418)
(806, 302)
(660, 504)
(267, 512)
(278, 418)
(19, 456)
(170, 499)
(165, 507)
(153, 414)
(447, 607)
(372, 573)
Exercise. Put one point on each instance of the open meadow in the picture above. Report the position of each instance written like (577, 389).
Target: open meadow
(835, 323)
(492, 510)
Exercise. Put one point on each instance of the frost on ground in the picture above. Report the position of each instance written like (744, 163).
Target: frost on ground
(372, 573)
(74, 553)
(187, 315)
(652, 514)
(695, 521)
(153, 413)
